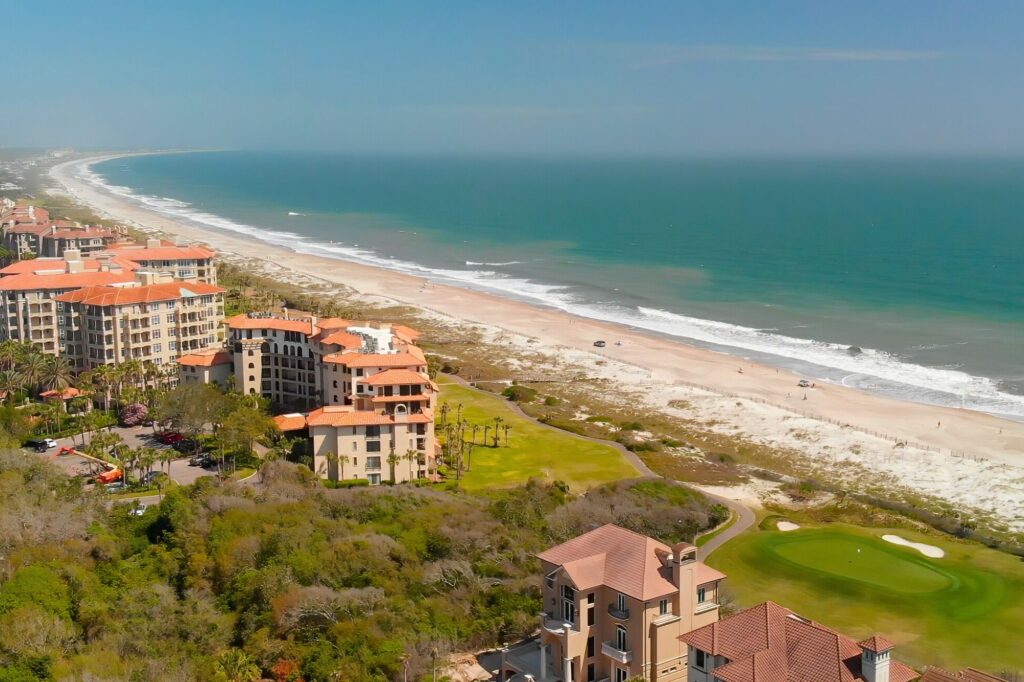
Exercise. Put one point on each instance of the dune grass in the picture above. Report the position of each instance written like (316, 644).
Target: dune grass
(965, 609)
(533, 451)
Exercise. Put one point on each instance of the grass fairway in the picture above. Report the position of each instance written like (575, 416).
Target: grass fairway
(533, 450)
(966, 609)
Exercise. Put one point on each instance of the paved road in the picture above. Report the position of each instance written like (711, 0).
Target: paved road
(745, 517)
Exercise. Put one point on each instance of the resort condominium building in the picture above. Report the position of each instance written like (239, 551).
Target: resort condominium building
(189, 263)
(157, 320)
(615, 604)
(358, 392)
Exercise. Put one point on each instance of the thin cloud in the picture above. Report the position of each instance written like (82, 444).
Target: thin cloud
(533, 111)
(663, 55)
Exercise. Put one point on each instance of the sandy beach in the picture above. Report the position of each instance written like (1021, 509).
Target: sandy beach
(971, 459)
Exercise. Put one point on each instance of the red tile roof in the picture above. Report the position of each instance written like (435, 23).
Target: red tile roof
(342, 338)
(66, 280)
(146, 253)
(165, 291)
(206, 359)
(343, 415)
(397, 377)
(875, 643)
(79, 233)
(66, 394)
(768, 643)
(59, 265)
(290, 422)
(245, 322)
(622, 560)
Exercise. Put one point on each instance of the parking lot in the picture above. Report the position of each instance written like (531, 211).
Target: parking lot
(133, 437)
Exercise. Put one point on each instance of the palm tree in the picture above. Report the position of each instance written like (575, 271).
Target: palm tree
(332, 462)
(342, 461)
(392, 461)
(10, 353)
(469, 456)
(103, 377)
(506, 428)
(234, 665)
(410, 457)
(476, 427)
(57, 374)
(32, 369)
(10, 384)
(497, 425)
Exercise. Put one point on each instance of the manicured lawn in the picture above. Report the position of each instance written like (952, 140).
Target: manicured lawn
(965, 609)
(533, 451)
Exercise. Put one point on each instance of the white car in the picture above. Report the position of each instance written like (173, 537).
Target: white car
(138, 510)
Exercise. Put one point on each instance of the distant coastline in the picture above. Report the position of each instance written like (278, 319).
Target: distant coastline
(922, 364)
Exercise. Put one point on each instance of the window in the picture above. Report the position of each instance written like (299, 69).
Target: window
(591, 649)
(154, 320)
(590, 609)
(702, 595)
(664, 607)
(699, 660)
(549, 580)
(591, 673)
(373, 446)
(568, 604)
(621, 675)
(373, 462)
(158, 348)
(170, 317)
(620, 603)
(373, 432)
(156, 333)
(620, 638)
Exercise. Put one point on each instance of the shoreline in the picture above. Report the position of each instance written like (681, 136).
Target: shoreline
(663, 365)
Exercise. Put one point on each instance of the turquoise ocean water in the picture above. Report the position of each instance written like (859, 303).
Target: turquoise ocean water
(900, 276)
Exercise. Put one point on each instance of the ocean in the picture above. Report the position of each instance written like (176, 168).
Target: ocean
(897, 276)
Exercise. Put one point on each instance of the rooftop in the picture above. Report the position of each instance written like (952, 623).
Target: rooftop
(375, 359)
(343, 415)
(165, 291)
(206, 358)
(64, 280)
(625, 561)
(770, 643)
(398, 377)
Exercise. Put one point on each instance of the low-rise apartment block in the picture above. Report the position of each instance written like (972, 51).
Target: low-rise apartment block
(615, 604)
(770, 642)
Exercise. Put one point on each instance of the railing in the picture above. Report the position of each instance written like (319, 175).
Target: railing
(616, 612)
(612, 651)
(555, 626)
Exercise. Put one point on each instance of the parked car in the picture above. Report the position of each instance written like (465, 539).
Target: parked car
(151, 476)
(186, 445)
(804, 383)
(138, 510)
(169, 437)
(114, 487)
(41, 444)
(200, 460)
(600, 344)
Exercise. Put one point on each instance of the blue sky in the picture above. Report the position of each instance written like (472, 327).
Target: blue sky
(523, 77)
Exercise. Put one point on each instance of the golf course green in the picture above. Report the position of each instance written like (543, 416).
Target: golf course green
(965, 609)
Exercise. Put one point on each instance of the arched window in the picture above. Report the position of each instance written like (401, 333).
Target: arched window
(620, 638)
(252, 366)
(401, 409)
(252, 391)
(250, 354)
(252, 378)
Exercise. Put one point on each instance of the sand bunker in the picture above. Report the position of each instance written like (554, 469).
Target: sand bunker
(928, 550)
(785, 526)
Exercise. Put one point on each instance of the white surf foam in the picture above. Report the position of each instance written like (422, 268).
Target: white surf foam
(869, 369)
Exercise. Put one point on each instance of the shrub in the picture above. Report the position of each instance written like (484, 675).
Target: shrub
(520, 394)
(598, 419)
(134, 414)
(551, 401)
(348, 483)
(631, 426)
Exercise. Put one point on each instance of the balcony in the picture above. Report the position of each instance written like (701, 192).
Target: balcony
(555, 626)
(615, 612)
(705, 606)
(618, 655)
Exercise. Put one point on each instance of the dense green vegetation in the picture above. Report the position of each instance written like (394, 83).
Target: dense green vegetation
(966, 608)
(526, 450)
(286, 579)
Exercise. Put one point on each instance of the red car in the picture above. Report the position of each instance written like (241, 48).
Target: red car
(169, 437)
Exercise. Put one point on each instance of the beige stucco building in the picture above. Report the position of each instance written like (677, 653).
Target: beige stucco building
(615, 604)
